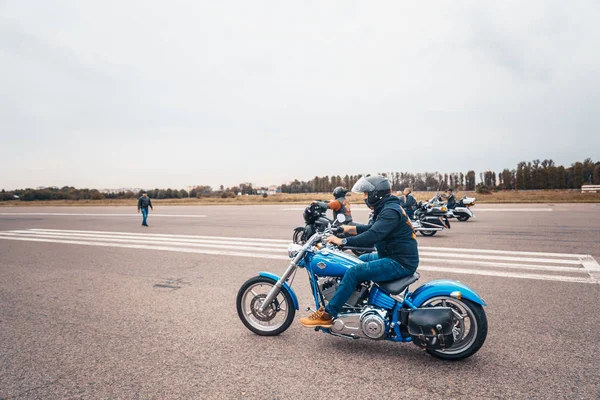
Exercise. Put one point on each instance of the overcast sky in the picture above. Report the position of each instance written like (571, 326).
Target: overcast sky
(152, 93)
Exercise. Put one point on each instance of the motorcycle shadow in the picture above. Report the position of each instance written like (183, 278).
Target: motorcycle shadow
(397, 353)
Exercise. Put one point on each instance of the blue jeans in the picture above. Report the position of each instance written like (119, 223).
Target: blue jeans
(144, 215)
(371, 269)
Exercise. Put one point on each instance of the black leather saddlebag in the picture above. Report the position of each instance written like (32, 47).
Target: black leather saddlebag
(430, 327)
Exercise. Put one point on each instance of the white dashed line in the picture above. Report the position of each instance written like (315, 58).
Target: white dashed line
(573, 268)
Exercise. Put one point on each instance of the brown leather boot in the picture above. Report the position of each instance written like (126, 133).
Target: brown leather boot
(319, 318)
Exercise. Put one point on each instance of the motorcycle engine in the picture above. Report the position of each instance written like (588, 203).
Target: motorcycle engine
(373, 323)
(370, 323)
(329, 286)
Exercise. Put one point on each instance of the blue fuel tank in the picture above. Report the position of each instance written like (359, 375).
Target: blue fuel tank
(332, 263)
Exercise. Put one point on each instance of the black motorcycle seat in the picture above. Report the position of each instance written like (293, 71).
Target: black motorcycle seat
(398, 285)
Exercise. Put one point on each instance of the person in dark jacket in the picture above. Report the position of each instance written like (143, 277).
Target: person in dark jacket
(340, 205)
(410, 203)
(392, 234)
(143, 203)
(450, 198)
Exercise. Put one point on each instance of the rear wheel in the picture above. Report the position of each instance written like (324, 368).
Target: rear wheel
(463, 218)
(470, 327)
(276, 317)
(428, 233)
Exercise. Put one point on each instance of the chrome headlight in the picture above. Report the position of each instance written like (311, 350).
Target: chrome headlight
(293, 250)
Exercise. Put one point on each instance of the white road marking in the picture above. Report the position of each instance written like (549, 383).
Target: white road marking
(503, 265)
(105, 215)
(486, 251)
(592, 267)
(508, 274)
(576, 268)
(152, 237)
(141, 246)
(500, 258)
(149, 240)
(228, 238)
(474, 209)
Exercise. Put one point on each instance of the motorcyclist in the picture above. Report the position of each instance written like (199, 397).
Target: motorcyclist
(339, 205)
(450, 198)
(410, 203)
(392, 234)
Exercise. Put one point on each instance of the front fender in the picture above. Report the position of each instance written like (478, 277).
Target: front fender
(443, 287)
(285, 286)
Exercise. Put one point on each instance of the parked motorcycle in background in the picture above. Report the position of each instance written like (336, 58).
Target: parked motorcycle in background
(316, 220)
(443, 317)
(461, 210)
(429, 219)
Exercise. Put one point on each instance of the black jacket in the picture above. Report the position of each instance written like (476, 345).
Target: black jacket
(451, 201)
(144, 202)
(410, 202)
(391, 233)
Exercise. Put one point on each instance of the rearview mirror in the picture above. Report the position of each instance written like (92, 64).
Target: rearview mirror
(341, 218)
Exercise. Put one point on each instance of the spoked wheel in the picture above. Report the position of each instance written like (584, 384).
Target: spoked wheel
(298, 237)
(463, 218)
(276, 318)
(428, 233)
(470, 327)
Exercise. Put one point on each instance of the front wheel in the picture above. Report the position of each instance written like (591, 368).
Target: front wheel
(428, 233)
(463, 218)
(470, 327)
(298, 237)
(276, 318)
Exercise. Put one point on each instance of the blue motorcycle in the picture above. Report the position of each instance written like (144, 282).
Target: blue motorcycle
(443, 317)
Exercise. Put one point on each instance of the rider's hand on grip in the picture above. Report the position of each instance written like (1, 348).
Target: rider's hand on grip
(337, 230)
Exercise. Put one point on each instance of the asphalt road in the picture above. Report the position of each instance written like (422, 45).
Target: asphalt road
(96, 306)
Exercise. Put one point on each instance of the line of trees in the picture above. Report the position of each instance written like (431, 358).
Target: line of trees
(534, 174)
(420, 181)
(544, 175)
(72, 193)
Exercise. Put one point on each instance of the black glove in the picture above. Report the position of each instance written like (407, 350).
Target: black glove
(337, 230)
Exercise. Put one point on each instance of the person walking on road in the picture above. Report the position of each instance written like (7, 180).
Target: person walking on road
(143, 203)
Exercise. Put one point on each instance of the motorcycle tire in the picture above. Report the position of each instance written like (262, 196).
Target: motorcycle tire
(298, 236)
(475, 342)
(428, 233)
(255, 326)
(463, 219)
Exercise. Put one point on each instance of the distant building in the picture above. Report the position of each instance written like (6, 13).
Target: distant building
(590, 189)
(134, 190)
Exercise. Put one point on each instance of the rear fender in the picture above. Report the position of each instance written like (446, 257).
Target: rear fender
(443, 287)
(285, 287)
